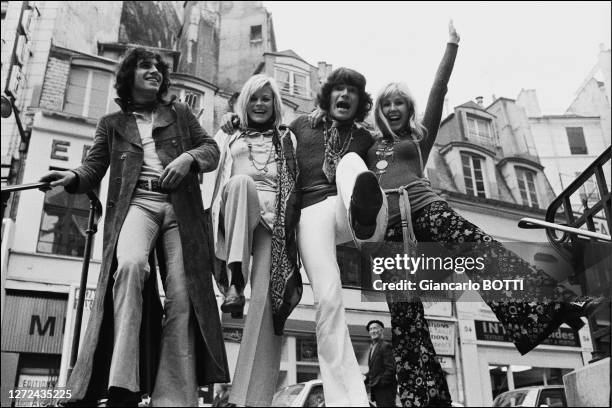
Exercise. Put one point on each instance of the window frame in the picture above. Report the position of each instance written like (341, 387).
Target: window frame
(477, 134)
(182, 95)
(472, 176)
(291, 83)
(528, 197)
(572, 132)
(253, 40)
(88, 91)
(70, 210)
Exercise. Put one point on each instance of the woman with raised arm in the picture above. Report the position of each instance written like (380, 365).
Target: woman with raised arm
(417, 213)
(255, 210)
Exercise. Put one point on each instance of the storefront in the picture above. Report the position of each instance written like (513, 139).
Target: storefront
(32, 337)
(299, 361)
(496, 366)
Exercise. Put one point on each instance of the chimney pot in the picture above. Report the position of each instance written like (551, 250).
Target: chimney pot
(479, 100)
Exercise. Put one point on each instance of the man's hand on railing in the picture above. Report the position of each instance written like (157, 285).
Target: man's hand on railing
(58, 178)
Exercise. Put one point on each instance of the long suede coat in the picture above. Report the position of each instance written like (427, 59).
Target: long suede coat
(117, 145)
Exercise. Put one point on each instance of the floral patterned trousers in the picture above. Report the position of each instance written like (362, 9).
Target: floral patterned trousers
(528, 317)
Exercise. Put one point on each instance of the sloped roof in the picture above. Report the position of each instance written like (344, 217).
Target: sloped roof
(471, 104)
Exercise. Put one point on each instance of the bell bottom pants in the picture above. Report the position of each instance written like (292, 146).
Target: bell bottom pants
(149, 215)
(421, 380)
(257, 368)
(323, 226)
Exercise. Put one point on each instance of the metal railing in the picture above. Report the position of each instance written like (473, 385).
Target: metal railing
(573, 235)
(95, 212)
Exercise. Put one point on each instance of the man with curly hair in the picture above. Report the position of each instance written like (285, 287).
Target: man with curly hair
(337, 207)
(155, 150)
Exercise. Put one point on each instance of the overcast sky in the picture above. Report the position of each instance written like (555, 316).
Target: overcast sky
(505, 46)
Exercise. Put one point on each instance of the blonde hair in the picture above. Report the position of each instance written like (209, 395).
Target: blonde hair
(252, 85)
(415, 127)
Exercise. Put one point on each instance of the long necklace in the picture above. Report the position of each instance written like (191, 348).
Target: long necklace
(334, 150)
(261, 167)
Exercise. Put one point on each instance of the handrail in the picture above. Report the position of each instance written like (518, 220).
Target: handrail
(20, 187)
(532, 223)
(95, 212)
(594, 169)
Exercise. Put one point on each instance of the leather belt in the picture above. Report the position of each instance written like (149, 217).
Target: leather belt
(150, 185)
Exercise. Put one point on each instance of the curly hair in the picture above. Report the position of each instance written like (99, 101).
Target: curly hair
(346, 76)
(124, 80)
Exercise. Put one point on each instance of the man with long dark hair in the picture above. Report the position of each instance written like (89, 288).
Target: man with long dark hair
(155, 150)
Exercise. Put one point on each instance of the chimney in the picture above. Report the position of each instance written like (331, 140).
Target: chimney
(479, 101)
(323, 71)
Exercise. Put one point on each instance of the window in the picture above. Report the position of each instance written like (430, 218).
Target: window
(63, 224)
(299, 85)
(256, 33)
(190, 97)
(589, 192)
(88, 92)
(473, 174)
(575, 138)
(283, 79)
(479, 129)
(351, 266)
(527, 187)
(293, 83)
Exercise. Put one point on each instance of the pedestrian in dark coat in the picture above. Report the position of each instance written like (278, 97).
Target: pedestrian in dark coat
(381, 367)
(155, 150)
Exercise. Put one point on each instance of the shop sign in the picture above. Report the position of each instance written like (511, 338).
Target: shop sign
(467, 332)
(438, 309)
(33, 323)
(495, 331)
(442, 336)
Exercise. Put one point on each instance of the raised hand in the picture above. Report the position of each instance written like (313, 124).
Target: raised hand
(453, 35)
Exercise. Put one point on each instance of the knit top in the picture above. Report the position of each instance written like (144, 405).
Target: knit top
(310, 153)
(404, 166)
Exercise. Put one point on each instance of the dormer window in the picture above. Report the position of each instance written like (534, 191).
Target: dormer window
(479, 129)
(473, 174)
(527, 186)
(292, 83)
(190, 97)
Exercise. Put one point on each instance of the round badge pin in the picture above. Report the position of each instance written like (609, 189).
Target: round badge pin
(381, 165)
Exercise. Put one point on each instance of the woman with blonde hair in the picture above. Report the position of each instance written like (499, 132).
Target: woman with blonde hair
(255, 210)
(417, 213)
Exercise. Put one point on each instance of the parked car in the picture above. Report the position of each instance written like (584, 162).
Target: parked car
(305, 394)
(539, 396)
(309, 394)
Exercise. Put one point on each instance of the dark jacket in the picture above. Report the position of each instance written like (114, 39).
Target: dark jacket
(381, 367)
(117, 145)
